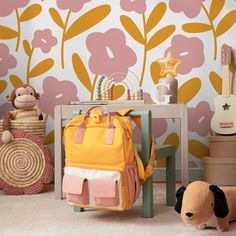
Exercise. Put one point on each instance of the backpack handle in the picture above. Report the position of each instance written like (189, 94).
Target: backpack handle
(102, 108)
(81, 127)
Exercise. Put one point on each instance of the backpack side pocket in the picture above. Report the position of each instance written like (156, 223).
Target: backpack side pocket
(133, 182)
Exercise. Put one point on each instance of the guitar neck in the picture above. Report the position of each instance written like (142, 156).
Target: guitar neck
(226, 82)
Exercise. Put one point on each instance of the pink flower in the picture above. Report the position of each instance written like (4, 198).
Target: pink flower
(189, 50)
(199, 118)
(191, 8)
(44, 40)
(192, 164)
(56, 92)
(139, 6)
(147, 98)
(4, 108)
(7, 7)
(24, 166)
(73, 5)
(159, 127)
(7, 61)
(109, 52)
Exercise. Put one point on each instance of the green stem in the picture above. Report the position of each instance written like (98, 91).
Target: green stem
(213, 30)
(144, 51)
(233, 78)
(63, 40)
(94, 84)
(28, 67)
(46, 118)
(18, 26)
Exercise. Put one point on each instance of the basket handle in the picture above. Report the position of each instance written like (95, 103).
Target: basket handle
(80, 131)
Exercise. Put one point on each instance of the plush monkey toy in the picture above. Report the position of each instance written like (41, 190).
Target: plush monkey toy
(24, 99)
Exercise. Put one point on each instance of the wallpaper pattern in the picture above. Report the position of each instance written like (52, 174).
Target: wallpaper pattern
(62, 46)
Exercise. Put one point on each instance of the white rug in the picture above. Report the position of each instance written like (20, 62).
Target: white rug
(41, 214)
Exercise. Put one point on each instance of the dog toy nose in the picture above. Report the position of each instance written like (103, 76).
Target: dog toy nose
(189, 214)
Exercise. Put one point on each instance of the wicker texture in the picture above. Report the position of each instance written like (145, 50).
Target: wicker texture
(35, 127)
(25, 164)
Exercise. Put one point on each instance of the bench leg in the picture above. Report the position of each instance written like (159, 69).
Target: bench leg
(78, 209)
(170, 180)
(148, 198)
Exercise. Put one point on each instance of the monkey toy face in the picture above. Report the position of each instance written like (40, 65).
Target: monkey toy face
(23, 97)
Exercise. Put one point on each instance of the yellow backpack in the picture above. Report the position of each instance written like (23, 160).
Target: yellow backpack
(103, 168)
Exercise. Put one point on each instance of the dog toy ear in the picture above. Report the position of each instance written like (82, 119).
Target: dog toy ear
(221, 209)
(179, 196)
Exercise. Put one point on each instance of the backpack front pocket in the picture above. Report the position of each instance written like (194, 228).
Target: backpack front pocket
(105, 192)
(76, 189)
(99, 188)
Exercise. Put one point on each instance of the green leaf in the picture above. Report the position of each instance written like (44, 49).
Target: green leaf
(172, 139)
(7, 33)
(232, 66)
(27, 47)
(31, 12)
(87, 21)
(189, 90)
(196, 27)
(216, 7)
(226, 23)
(132, 29)
(15, 80)
(81, 72)
(56, 17)
(198, 149)
(50, 138)
(216, 81)
(41, 67)
(118, 91)
(155, 70)
(160, 36)
(156, 15)
(3, 85)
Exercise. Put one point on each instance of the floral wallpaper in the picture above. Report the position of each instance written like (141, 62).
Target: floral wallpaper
(61, 47)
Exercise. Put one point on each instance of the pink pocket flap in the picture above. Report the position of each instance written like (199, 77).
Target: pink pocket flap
(104, 188)
(72, 184)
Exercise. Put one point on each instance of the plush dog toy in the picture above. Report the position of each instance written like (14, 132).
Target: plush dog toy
(24, 99)
(204, 205)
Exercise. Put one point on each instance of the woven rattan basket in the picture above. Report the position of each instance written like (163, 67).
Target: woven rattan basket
(37, 127)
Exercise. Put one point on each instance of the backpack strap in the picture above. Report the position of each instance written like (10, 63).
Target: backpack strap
(149, 168)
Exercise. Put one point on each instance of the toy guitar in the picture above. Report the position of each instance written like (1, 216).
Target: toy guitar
(224, 120)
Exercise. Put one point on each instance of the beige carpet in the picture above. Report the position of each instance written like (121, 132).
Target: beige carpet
(43, 215)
